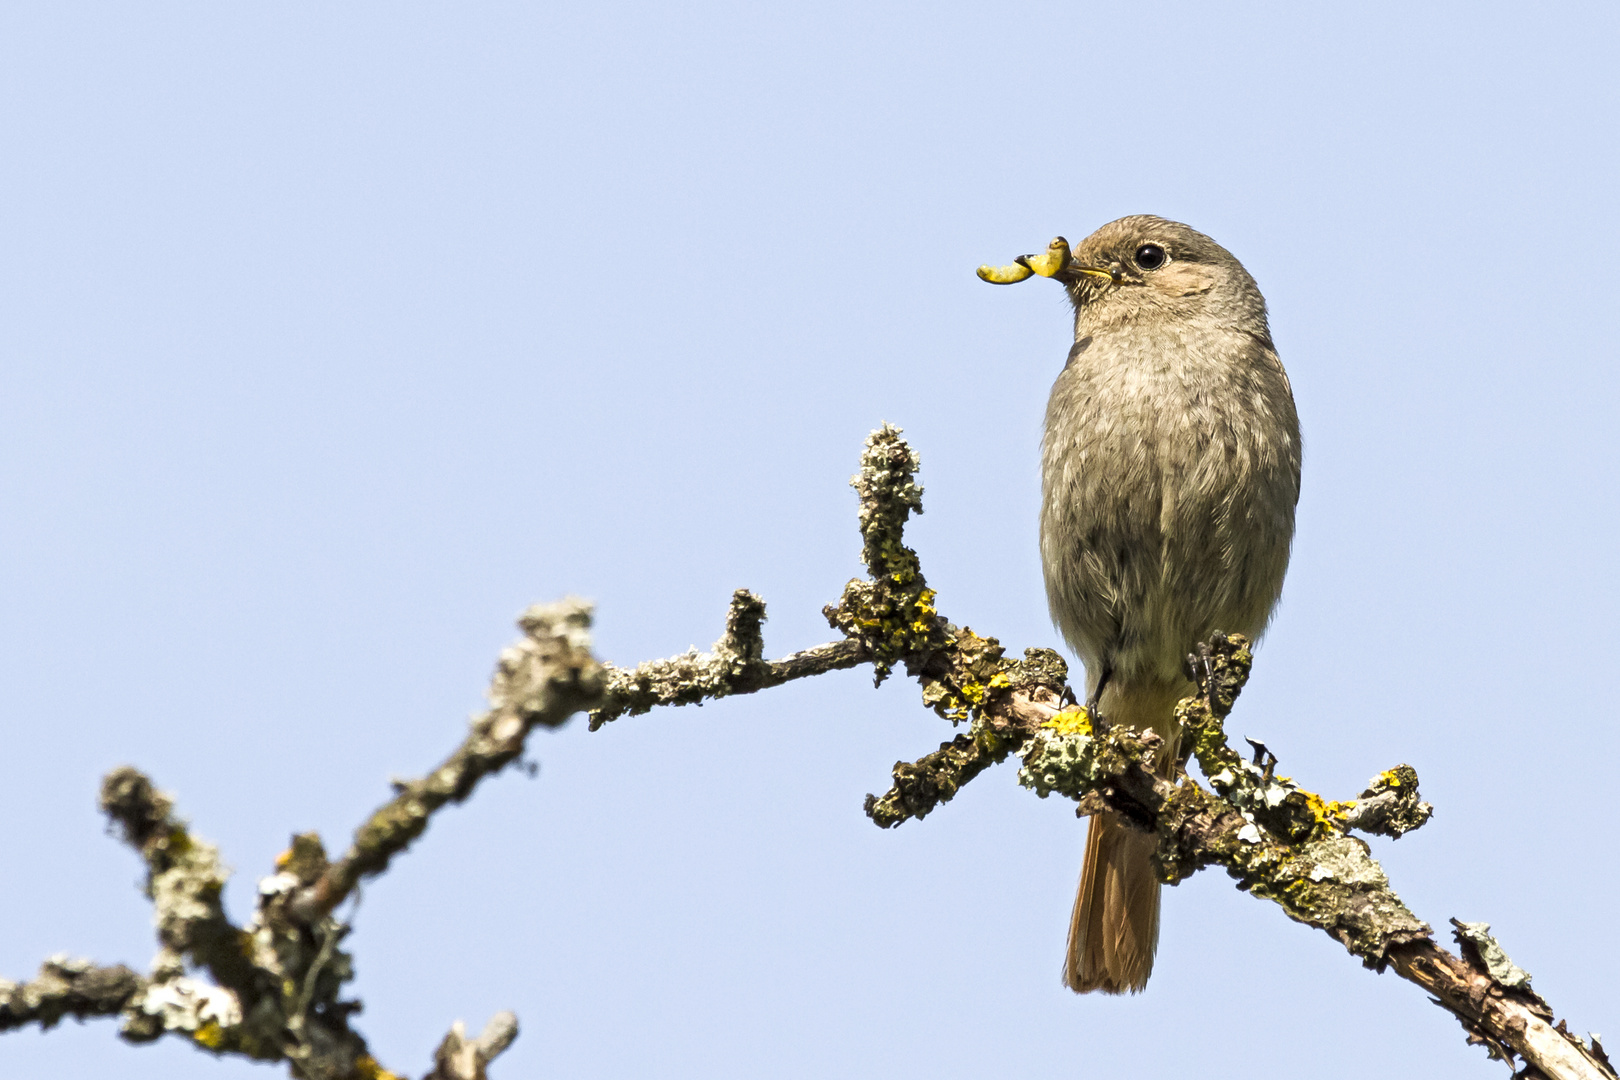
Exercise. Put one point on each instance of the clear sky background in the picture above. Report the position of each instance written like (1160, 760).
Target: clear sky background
(335, 335)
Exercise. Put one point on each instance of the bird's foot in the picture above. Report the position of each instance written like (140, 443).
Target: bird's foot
(1200, 668)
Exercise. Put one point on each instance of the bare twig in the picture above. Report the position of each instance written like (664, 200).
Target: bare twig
(1506, 1020)
(461, 1058)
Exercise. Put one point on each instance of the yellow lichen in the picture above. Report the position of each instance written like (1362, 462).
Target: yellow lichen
(1328, 815)
(367, 1069)
(923, 608)
(1075, 721)
(210, 1035)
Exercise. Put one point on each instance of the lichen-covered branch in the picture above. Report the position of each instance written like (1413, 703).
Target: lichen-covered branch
(1018, 696)
(1278, 840)
(1323, 878)
(540, 682)
(461, 1058)
(1292, 847)
(274, 986)
(1390, 806)
(271, 989)
(736, 665)
(67, 987)
(184, 880)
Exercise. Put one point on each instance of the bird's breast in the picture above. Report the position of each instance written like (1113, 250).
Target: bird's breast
(1169, 475)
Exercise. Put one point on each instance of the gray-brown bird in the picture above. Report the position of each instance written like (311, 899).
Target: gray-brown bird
(1169, 475)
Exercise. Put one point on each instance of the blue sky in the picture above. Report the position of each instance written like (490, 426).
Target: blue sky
(333, 337)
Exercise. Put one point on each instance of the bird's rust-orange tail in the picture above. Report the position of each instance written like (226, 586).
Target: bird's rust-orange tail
(1114, 930)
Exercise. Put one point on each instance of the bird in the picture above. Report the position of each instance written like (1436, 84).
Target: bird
(1170, 470)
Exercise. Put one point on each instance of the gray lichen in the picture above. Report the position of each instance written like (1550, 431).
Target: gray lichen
(541, 681)
(461, 1058)
(1390, 806)
(64, 987)
(890, 614)
(1478, 945)
(736, 665)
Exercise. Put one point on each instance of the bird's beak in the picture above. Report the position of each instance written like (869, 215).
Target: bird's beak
(1055, 262)
(1110, 276)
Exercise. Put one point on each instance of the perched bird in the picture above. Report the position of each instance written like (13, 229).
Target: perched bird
(1169, 475)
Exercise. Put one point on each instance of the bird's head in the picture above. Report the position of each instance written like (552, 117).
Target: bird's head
(1146, 268)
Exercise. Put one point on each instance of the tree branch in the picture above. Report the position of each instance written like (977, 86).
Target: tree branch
(734, 666)
(276, 982)
(67, 987)
(461, 1058)
(1277, 839)
(540, 682)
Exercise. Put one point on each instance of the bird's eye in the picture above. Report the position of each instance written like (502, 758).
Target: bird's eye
(1151, 256)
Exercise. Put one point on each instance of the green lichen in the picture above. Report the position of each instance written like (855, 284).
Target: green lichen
(1061, 762)
(1274, 802)
(935, 778)
(1068, 758)
(1331, 882)
(892, 613)
(1477, 944)
(971, 682)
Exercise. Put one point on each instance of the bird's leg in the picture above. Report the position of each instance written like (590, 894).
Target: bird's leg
(1200, 669)
(1094, 701)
